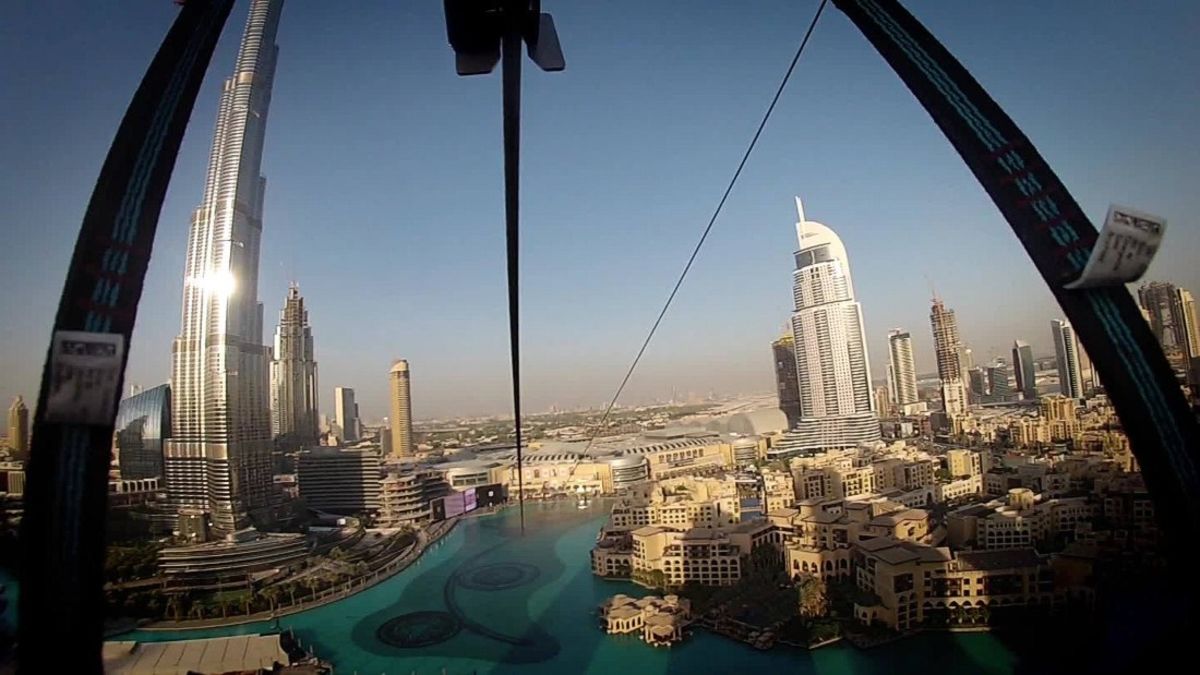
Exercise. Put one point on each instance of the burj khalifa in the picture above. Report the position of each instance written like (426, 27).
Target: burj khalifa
(219, 459)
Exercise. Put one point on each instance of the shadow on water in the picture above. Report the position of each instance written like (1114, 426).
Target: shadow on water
(567, 608)
(479, 604)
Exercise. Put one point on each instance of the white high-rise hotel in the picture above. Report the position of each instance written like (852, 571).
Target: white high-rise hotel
(219, 459)
(832, 366)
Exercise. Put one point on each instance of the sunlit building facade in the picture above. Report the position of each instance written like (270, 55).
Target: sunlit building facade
(18, 427)
(219, 459)
(1067, 355)
(401, 410)
(902, 370)
(837, 408)
(345, 412)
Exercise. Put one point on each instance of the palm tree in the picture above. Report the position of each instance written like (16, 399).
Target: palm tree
(312, 582)
(173, 606)
(271, 593)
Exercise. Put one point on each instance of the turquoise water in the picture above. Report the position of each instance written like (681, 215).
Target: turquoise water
(486, 600)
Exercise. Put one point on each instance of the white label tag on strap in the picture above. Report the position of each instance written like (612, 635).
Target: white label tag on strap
(84, 371)
(1123, 251)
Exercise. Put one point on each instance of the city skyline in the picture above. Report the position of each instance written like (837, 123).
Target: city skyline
(327, 171)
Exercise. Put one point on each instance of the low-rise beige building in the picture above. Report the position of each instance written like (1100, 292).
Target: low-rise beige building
(544, 475)
(839, 481)
(916, 585)
(817, 537)
(661, 621)
(1023, 520)
(963, 463)
(612, 556)
(664, 556)
(835, 524)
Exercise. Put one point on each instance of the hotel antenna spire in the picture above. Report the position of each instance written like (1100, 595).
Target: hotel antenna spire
(482, 34)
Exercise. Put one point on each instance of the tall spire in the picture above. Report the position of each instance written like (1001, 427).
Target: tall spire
(800, 222)
(219, 459)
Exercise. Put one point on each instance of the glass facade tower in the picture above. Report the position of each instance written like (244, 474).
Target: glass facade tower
(219, 459)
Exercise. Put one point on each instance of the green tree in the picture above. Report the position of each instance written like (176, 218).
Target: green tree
(812, 596)
(658, 579)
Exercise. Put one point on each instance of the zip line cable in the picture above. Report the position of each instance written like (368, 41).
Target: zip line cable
(711, 221)
(511, 84)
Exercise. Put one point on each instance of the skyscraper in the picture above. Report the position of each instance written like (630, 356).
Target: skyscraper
(1023, 366)
(401, 410)
(219, 459)
(977, 384)
(902, 371)
(345, 411)
(948, 351)
(1171, 312)
(883, 402)
(999, 382)
(142, 425)
(1188, 324)
(786, 386)
(1066, 352)
(294, 377)
(837, 408)
(18, 427)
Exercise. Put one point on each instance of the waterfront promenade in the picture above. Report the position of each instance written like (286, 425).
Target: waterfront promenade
(426, 537)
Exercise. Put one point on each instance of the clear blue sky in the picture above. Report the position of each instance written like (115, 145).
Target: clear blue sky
(384, 198)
